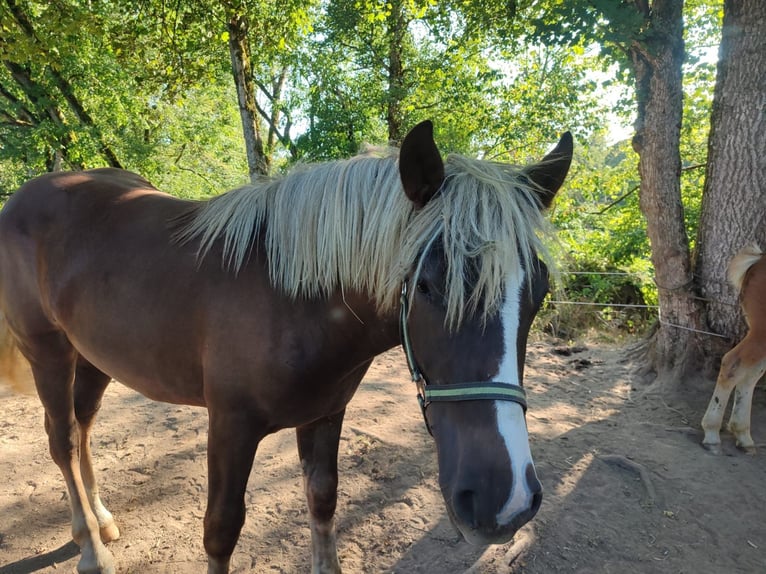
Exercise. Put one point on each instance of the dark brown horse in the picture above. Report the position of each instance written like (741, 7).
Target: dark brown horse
(267, 304)
(743, 366)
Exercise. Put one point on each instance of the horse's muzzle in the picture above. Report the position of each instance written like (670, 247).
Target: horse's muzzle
(480, 522)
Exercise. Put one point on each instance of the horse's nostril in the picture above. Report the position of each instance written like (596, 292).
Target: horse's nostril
(532, 482)
(537, 500)
(535, 488)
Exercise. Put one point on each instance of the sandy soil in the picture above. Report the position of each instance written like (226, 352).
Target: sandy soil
(627, 486)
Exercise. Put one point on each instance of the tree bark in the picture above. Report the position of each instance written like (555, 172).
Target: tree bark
(257, 160)
(734, 198)
(657, 60)
(397, 28)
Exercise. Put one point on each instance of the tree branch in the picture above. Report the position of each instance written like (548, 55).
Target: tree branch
(636, 187)
(65, 87)
(616, 201)
(643, 7)
(25, 115)
(23, 77)
(272, 118)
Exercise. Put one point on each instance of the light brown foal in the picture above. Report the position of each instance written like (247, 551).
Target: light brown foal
(744, 365)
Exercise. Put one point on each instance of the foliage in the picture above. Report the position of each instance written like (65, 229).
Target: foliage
(702, 35)
(603, 251)
(195, 148)
(499, 79)
(41, 45)
(170, 127)
(484, 98)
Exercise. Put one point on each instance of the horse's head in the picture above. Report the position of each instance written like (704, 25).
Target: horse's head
(471, 369)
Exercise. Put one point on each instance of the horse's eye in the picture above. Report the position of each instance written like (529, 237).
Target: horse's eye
(422, 287)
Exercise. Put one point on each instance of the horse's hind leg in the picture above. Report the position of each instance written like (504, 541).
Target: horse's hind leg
(739, 421)
(751, 369)
(318, 450)
(89, 387)
(711, 422)
(740, 368)
(53, 365)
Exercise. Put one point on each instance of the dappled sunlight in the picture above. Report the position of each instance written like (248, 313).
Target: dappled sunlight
(571, 478)
(570, 388)
(552, 419)
(622, 486)
(553, 422)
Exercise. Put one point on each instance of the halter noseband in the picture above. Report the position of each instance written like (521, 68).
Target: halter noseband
(470, 391)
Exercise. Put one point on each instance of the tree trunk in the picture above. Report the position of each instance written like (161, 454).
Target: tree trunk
(397, 28)
(257, 161)
(657, 61)
(734, 198)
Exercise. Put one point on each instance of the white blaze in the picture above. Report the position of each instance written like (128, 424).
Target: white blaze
(510, 416)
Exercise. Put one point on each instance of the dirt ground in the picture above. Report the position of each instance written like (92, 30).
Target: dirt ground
(627, 486)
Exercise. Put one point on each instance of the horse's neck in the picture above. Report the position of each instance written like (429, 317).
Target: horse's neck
(387, 334)
(381, 328)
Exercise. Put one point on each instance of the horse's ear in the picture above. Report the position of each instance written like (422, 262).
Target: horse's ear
(420, 164)
(549, 174)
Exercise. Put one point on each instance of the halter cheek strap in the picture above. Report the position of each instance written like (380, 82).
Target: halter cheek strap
(468, 391)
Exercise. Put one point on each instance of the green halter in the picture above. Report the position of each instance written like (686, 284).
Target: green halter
(468, 391)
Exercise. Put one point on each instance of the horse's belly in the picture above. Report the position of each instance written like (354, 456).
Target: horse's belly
(150, 372)
(155, 390)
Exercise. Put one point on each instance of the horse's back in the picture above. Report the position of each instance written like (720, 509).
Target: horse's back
(53, 197)
(71, 215)
(89, 256)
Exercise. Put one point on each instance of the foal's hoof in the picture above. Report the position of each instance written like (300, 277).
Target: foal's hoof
(103, 567)
(109, 532)
(713, 448)
(748, 449)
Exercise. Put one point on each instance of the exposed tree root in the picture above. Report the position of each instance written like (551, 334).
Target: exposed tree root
(639, 469)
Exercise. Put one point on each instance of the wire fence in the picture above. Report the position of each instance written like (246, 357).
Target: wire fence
(630, 305)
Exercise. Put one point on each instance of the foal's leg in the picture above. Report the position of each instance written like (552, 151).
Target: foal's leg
(233, 437)
(89, 387)
(741, 368)
(318, 450)
(751, 370)
(711, 422)
(53, 365)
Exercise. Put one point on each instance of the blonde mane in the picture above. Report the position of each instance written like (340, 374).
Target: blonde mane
(348, 225)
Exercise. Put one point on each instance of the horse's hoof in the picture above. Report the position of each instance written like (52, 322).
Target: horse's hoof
(749, 449)
(109, 532)
(105, 568)
(713, 448)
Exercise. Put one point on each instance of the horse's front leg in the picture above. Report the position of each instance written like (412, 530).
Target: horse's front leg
(318, 450)
(233, 438)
